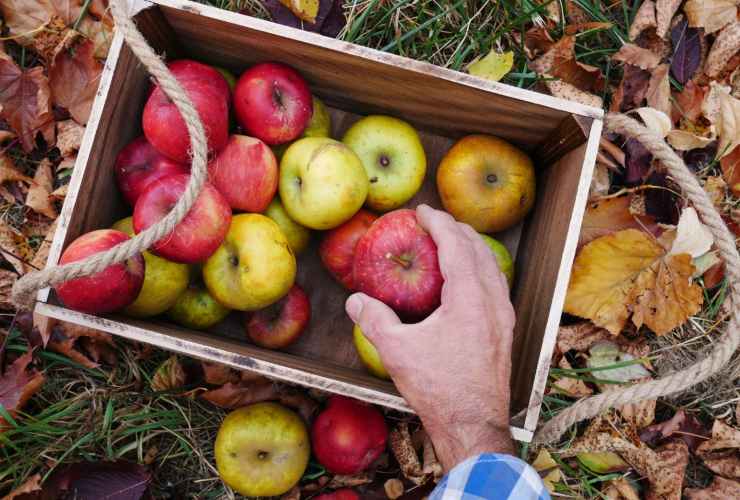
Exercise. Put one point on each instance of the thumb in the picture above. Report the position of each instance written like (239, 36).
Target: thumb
(375, 318)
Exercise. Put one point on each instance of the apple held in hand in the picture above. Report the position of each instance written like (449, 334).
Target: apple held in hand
(486, 182)
(322, 182)
(348, 435)
(202, 230)
(139, 164)
(396, 262)
(272, 102)
(282, 323)
(393, 157)
(114, 287)
(337, 249)
(197, 309)
(368, 354)
(245, 172)
(254, 266)
(297, 235)
(262, 450)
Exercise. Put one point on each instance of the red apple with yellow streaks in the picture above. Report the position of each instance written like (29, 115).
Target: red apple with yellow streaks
(282, 323)
(337, 249)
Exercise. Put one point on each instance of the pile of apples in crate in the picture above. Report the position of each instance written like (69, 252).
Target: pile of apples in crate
(274, 175)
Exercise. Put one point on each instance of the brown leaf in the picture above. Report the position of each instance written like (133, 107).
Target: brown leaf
(721, 453)
(300, 402)
(672, 459)
(69, 137)
(632, 89)
(712, 15)
(659, 90)
(59, 193)
(402, 447)
(54, 37)
(560, 62)
(637, 56)
(640, 414)
(25, 102)
(600, 182)
(42, 252)
(688, 103)
(218, 374)
(731, 170)
(664, 11)
(728, 124)
(726, 45)
(716, 188)
(13, 248)
(18, 384)
(609, 216)
(293, 494)
(74, 77)
(67, 163)
(580, 336)
(26, 17)
(393, 488)
(571, 387)
(169, 375)
(9, 172)
(81, 344)
(681, 425)
(537, 40)
(644, 18)
(720, 489)
(620, 489)
(38, 198)
(31, 485)
(7, 280)
(565, 90)
(234, 395)
(349, 480)
(6, 135)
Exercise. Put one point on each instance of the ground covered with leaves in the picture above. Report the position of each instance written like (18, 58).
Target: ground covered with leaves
(82, 411)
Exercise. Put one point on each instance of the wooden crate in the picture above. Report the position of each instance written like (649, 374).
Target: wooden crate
(444, 105)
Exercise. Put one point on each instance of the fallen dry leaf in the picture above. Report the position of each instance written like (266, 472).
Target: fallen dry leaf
(69, 137)
(38, 198)
(17, 384)
(393, 488)
(692, 236)
(620, 489)
(600, 182)
(234, 395)
(687, 51)
(639, 415)
(632, 89)
(571, 387)
(218, 374)
(720, 489)
(659, 90)
(9, 172)
(655, 120)
(42, 252)
(559, 62)
(721, 453)
(430, 464)
(644, 18)
(681, 425)
(59, 193)
(565, 90)
(305, 10)
(726, 45)
(31, 485)
(728, 124)
(83, 345)
(399, 441)
(730, 164)
(548, 469)
(716, 188)
(664, 11)
(349, 480)
(169, 375)
(688, 103)
(13, 248)
(74, 76)
(604, 354)
(672, 459)
(493, 66)
(580, 336)
(293, 494)
(609, 216)
(300, 402)
(686, 141)
(7, 280)
(637, 56)
(712, 15)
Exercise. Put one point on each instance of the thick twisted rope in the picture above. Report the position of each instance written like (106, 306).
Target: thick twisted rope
(727, 343)
(26, 287)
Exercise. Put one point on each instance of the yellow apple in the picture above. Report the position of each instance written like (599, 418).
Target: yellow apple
(298, 236)
(262, 450)
(368, 354)
(253, 267)
(322, 182)
(195, 308)
(164, 280)
(503, 257)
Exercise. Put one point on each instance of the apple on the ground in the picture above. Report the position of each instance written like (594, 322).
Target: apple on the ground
(343, 494)
(245, 172)
(337, 249)
(254, 266)
(348, 435)
(202, 230)
(272, 102)
(298, 236)
(197, 309)
(114, 287)
(282, 323)
(393, 157)
(503, 257)
(262, 450)
(322, 182)
(396, 262)
(139, 164)
(368, 354)
(164, 280)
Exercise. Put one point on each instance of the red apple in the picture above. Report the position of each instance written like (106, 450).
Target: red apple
(138, 164)
(202, 230)
(114, 287)
(337, 249)
(246, 173)
(273, 103)
(165, 128)
(187, 69)
(396, 262)
(281, 323)
(343, 494)
(348, 435)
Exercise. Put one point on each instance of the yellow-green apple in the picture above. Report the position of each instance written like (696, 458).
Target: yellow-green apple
(322, 182)
(297, 235)
(114, 287)
(262, 450)
(197, 309)
(202, 230)
(486, 182)
(164, 280)
(393, 157)
(396, 262)
(282, 323)
(343, 494)
(337, 249)
(348, 435)
(254, 266)
(368, 354)
(503, 257)
(139, 164)
(228, 76)
(245, 172)
(272, 102)
(318, 126)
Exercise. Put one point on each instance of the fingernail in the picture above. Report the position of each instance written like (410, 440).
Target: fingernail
(354, 307)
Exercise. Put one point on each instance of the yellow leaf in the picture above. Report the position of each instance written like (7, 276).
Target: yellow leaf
(303, 9)
(548, 469)
(492, 67)
(629, 272)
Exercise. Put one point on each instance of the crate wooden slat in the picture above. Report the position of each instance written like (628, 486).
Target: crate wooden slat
(444, 105)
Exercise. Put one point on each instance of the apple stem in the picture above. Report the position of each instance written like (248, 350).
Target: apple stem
(405, 263)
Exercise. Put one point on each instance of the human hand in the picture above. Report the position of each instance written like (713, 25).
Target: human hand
(453, 367)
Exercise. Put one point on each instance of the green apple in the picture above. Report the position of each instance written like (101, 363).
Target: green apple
(195, 308)
(164, 280)
(393, 157)
(298, 236)
(368, 354)
(322, 182)
(253, 267)
(318, 126)
(262, 450)
(228, 76)
(503, 257)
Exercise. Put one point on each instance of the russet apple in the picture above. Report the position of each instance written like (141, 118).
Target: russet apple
(202, 230)
(486, 182)
(368, 354)
(114, 287)
(322, 182)
(396, 262)
(503, 257)
(138, 164)
(343, 494)
(197, 309)
(297, 235)
(272, 102)
(254, 266)
(262, 450)
(282, 323)
(348, 435)
(164, 280)
(337, 249)
(245, 172)
(393, 157)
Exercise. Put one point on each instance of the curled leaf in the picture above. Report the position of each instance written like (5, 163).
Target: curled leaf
(730, 164)
(712, 15)
(17, 384)
(686, 141)
(655, 120)
(399, 441)
(234, 395)
(644, 18)
(169, 375)
(493, 66)
(726, 45)
(637, 56)
(728, 125)
(38, 198)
